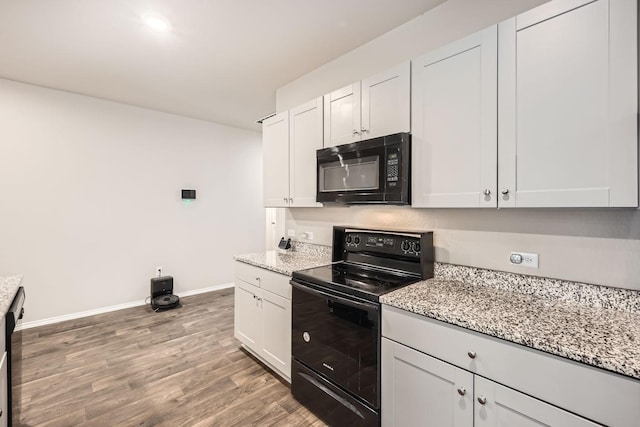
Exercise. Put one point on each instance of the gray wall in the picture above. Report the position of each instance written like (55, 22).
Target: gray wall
(90, 199)
(590, 245)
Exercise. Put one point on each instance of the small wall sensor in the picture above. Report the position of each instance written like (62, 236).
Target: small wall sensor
(189, 194)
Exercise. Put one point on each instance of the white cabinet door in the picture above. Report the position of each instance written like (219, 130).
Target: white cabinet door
(568, 105)
(305, 137)
(275, 153)
(247, 323)
(419, 390)
(262, 315)
(4, 397)
(276, 331)
(497, 405)
(342, 116)
(454, 121)
(386, 101)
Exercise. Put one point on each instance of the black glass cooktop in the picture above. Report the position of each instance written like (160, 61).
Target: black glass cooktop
(355, 279)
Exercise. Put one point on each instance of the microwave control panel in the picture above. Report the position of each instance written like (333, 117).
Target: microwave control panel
(393, 166)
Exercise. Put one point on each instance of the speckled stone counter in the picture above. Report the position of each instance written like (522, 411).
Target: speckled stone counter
(8, 288)
(598, 327)
(305, 256)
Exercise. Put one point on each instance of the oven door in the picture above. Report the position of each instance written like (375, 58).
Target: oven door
(372, 171)
(338, 337)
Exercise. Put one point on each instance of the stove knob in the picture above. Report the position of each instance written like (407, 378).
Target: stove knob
(356, 240)
(416, 247)
(348, 239)
(405, 246)
(306, 337)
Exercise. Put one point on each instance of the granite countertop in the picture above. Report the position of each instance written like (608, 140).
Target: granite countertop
(602, 336)
(306, 256)
(8, 288)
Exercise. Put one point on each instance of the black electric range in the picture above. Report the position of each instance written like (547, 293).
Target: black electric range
(335, 320)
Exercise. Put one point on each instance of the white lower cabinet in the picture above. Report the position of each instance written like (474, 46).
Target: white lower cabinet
(420, 390)
(504, 406)
(262, 318)
(4, 398)
(441, 375)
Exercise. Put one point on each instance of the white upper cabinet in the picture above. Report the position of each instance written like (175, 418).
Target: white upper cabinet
(568, 103)
(454, 124)
(290, 140)
(275, 154)
(305, 137)
(376, 106)
(342, 116)
(386, 102)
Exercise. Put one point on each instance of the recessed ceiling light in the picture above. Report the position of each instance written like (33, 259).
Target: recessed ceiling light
(156, 22)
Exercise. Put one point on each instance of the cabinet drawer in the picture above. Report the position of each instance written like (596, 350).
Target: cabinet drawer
(268, 280)
(593, 393)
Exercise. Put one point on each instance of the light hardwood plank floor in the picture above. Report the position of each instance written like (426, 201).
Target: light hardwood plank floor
(134, 367)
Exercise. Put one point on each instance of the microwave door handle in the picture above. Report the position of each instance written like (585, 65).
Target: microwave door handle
(344, 301)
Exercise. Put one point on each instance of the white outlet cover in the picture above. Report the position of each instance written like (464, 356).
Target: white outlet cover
(527, 259)
(309, 235)
(291, 232)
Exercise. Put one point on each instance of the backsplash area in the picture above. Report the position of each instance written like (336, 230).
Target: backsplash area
(542, 287)
(593, 246)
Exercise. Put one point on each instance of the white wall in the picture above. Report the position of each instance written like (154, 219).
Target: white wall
(589, 245)
(90, 199)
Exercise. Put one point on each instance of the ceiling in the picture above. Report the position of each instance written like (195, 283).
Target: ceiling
(222, 60)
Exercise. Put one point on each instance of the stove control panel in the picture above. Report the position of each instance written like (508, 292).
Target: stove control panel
(392, 244)
(408, 251)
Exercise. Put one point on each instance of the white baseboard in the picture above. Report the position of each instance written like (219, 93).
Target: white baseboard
(78, 315)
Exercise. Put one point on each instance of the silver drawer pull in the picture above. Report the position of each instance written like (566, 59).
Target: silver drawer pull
(471, 354)
(462, 391)
(482, 400)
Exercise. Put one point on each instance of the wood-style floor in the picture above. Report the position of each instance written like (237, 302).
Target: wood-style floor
(135, 367)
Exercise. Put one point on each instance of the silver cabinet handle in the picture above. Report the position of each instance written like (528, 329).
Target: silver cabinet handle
(462, 391)
(254, 297)
(290, 199)
(355, 131)
(505, 191)
(482, 400)
(471, 354)
(363, 130)
(284, 198)
(486, 192)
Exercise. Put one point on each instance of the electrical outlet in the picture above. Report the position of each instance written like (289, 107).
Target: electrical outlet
(159, 270)
(291, 232)
(524, 259)
(308, 235)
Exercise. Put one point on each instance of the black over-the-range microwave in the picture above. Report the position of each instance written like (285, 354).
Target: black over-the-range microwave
(377, 171)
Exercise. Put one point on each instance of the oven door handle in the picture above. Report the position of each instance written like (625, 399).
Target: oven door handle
(345, 301)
